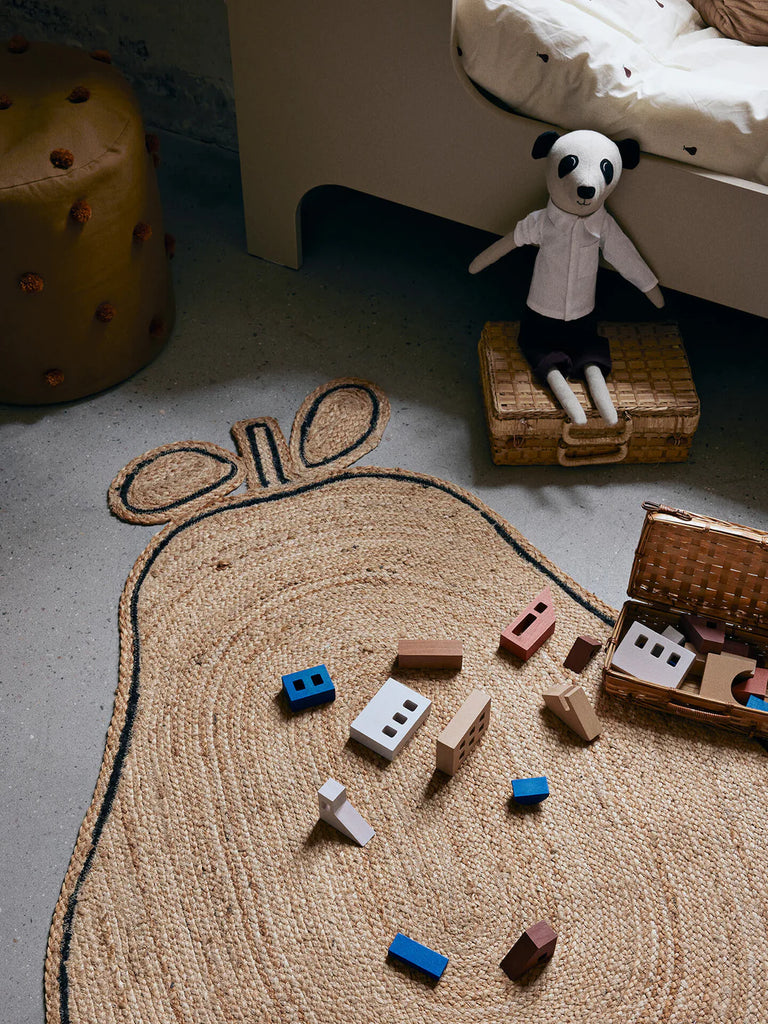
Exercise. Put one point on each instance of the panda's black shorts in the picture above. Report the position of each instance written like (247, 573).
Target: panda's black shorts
(565, 345)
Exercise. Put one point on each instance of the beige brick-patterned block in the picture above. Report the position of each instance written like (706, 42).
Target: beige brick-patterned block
(460, 737)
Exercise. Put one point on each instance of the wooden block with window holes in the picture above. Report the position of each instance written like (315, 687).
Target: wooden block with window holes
(706, 635)
(430, 654)
(535, 624)
(460, 737)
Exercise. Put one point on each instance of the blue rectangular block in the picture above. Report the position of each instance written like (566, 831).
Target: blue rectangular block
(530, 791)
(757, 703)
(308, 688)
(407, 951)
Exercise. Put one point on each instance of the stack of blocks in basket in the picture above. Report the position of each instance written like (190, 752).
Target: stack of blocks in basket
(729, 673)
(390, 719)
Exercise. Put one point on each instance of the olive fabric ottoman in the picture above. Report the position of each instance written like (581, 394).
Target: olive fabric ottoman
(85, 290)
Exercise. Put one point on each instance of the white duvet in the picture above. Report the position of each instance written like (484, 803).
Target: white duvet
(648, 69)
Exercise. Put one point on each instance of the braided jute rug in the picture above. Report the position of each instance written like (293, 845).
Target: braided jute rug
(203, 889)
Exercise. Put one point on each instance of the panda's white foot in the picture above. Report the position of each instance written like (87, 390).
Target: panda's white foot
(599, 391)
(562, 392)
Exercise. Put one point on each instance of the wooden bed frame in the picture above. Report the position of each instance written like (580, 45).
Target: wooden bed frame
(371, 95)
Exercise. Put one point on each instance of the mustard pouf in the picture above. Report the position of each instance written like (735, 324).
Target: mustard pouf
(85, 289)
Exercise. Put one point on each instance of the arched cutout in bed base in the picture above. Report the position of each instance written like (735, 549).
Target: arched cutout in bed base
(372, 96)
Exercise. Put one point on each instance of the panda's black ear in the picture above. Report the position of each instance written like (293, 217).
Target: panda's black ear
(543, 144)
(630, 153)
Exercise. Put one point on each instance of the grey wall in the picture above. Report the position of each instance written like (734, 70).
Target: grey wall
(175, 53)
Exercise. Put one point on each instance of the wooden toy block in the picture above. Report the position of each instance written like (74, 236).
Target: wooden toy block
(430, 654)
(721, 672)
(390, 719)
(584, 648)
(737, 647)
(754, 686)
(699, 660)
(535, 946)
(530, 791)
(460, 737)
(413, 953)
(654, 658)
(706, 635)
(336, 809)
(570, 703)
(308, 688)
(757, 703)
(533, 626)
(674, 635)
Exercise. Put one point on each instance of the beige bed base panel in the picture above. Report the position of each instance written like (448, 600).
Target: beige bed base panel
(372, 96)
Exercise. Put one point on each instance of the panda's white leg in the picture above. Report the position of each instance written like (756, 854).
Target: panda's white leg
(599, 391)
(562, 392)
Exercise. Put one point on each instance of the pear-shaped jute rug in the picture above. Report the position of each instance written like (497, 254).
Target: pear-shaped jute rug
(204, 890)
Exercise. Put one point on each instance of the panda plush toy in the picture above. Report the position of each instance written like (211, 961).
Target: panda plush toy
(558, 332)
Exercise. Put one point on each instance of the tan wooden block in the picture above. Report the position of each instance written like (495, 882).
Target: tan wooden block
(460, 737)
(721, 672)
(570, 703)
(430, 653)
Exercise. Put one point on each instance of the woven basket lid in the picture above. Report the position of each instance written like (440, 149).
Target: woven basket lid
(693, 563)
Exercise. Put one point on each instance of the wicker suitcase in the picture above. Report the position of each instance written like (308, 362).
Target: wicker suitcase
(688, 563)
(650, 384)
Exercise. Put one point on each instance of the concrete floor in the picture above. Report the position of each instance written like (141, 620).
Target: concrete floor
(384, 294)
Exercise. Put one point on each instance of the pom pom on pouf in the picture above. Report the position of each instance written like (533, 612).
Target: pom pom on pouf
(85, 268)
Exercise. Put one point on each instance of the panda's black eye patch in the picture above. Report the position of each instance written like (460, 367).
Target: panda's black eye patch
(566, 165)
(607, 168)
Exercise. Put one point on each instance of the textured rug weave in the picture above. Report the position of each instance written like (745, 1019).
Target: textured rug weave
(203, 889)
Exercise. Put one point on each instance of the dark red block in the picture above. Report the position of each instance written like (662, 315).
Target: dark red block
(535, 946)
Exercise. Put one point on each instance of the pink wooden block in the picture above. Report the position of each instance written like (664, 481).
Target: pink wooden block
(755, 686)
(535, 624)
(706, 635)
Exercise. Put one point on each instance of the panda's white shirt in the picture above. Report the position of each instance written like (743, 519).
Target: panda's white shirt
(565, 272)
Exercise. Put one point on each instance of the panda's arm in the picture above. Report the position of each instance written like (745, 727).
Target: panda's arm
(526, 232)
(624, 257)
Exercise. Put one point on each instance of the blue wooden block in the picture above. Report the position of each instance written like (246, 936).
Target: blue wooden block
(530, 791)
(407, 951)
(308, 688)
(757, 703)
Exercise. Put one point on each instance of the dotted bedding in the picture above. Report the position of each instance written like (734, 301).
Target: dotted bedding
(649, 69)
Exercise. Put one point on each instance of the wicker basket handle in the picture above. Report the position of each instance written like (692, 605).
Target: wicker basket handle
(590, 460)
(604, 436)
(700, 716)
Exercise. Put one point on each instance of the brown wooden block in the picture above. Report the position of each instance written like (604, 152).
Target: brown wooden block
(430, 653)
(706, 635)
(584, 648)
(721, 672)
(570, 703)
(535, 946)
(535, 624)
(754, 686)
(459, 738)
(737, 647)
